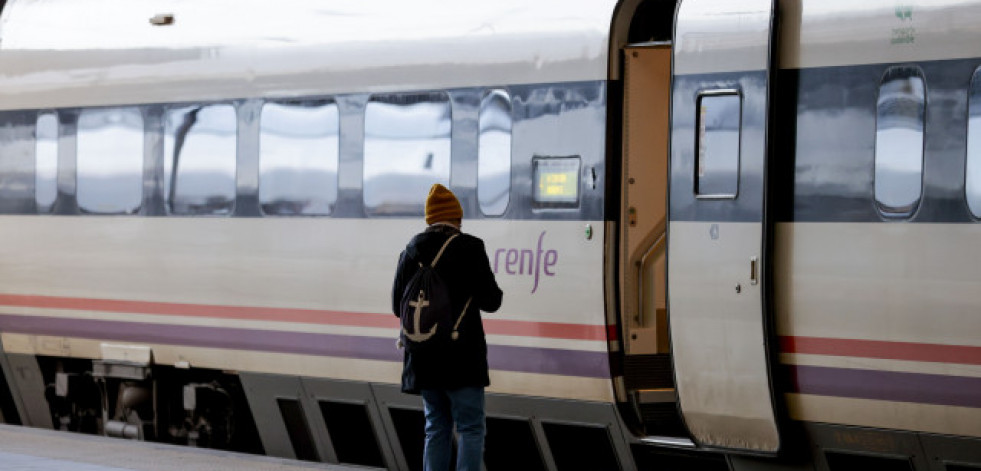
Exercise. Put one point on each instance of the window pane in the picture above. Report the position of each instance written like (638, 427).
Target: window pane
(18, 144)
(110, 161)
(556, 181)
(298, 160)
(717, 172)
(46, 161)
(973, 183)
(494, 153)
(200, 142)
(406, 150)
(899, 141)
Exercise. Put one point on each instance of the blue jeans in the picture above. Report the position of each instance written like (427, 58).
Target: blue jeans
(465, 407)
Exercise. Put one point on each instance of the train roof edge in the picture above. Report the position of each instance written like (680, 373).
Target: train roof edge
(56, 53)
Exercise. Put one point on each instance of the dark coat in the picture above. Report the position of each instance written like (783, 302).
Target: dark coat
(465, 269)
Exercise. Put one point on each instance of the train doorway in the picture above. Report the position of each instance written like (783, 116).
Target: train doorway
(645, 58)
(648, 381)
(691, 240)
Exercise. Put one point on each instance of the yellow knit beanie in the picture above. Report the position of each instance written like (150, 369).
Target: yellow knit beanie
(441, 205)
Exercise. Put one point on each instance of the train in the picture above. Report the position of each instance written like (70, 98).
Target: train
(732, 235)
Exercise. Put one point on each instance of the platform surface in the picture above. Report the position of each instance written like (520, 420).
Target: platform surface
(30, 449)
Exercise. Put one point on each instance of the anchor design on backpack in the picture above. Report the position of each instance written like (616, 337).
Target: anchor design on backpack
(425, 310)
(419, 304)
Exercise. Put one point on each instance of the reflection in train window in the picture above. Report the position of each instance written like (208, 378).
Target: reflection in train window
(46, 161)
(494, 153)
(899, 141)
(110, 161)
(298, 157)
(406, 150)
(717, 141)
(199, 159)
(17, 163)
(973, 183)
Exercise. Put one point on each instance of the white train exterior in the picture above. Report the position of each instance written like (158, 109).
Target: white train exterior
(731, 235)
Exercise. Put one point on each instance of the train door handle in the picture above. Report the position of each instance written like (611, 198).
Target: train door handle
(754, 272)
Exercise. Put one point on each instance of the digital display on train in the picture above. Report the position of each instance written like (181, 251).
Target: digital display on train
(556, 181)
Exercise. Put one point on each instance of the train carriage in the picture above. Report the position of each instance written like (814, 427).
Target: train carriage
(731, 235)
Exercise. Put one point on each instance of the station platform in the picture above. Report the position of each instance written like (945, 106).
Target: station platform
(30, 449)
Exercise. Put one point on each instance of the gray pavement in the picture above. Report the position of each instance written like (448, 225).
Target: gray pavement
(30, 449)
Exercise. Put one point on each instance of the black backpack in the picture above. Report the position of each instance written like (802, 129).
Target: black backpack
(425, 311)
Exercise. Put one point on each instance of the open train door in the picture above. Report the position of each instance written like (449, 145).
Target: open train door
(717, 236)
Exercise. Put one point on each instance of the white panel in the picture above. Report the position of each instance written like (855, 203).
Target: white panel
(863, 281)
(717, 335)
(316, 263)
(929, 418)
(722, 36)
(848, 32)
(716, 307)
(64, 53)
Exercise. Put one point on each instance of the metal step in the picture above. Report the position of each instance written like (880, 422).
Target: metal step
(648, 371)
(659, 412)
(673, 442)
(652, 396)
(675, 453)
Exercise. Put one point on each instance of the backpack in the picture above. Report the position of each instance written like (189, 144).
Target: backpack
(425, 311)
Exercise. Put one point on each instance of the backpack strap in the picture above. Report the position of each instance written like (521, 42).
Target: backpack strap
(455, 335)
(441, 249)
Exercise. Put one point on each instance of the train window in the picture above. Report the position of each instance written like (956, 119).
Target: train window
(298, 157)
(972, 185)
(110, 160)
(46, 161)
(199, 159)
(899, 122)
(406, 150)
(17, 163)
(494, 153)
(556, 181)
(717, 141)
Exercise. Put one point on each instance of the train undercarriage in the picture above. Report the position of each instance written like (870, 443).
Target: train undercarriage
(182, 406)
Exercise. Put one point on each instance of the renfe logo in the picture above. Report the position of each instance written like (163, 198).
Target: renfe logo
(526, 261)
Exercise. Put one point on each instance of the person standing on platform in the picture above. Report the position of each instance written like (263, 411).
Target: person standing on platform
(448, 369)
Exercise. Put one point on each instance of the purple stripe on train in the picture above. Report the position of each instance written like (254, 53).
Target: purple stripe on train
(500, 357)
(886, 385)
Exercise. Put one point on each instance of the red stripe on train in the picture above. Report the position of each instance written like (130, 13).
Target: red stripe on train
(311, 316)
(925, 352)
(612, 333)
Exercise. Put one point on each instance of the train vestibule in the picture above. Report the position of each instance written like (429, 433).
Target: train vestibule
(648, 380)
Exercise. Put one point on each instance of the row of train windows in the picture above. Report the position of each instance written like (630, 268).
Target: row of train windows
(407, 142)
(899, 144)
